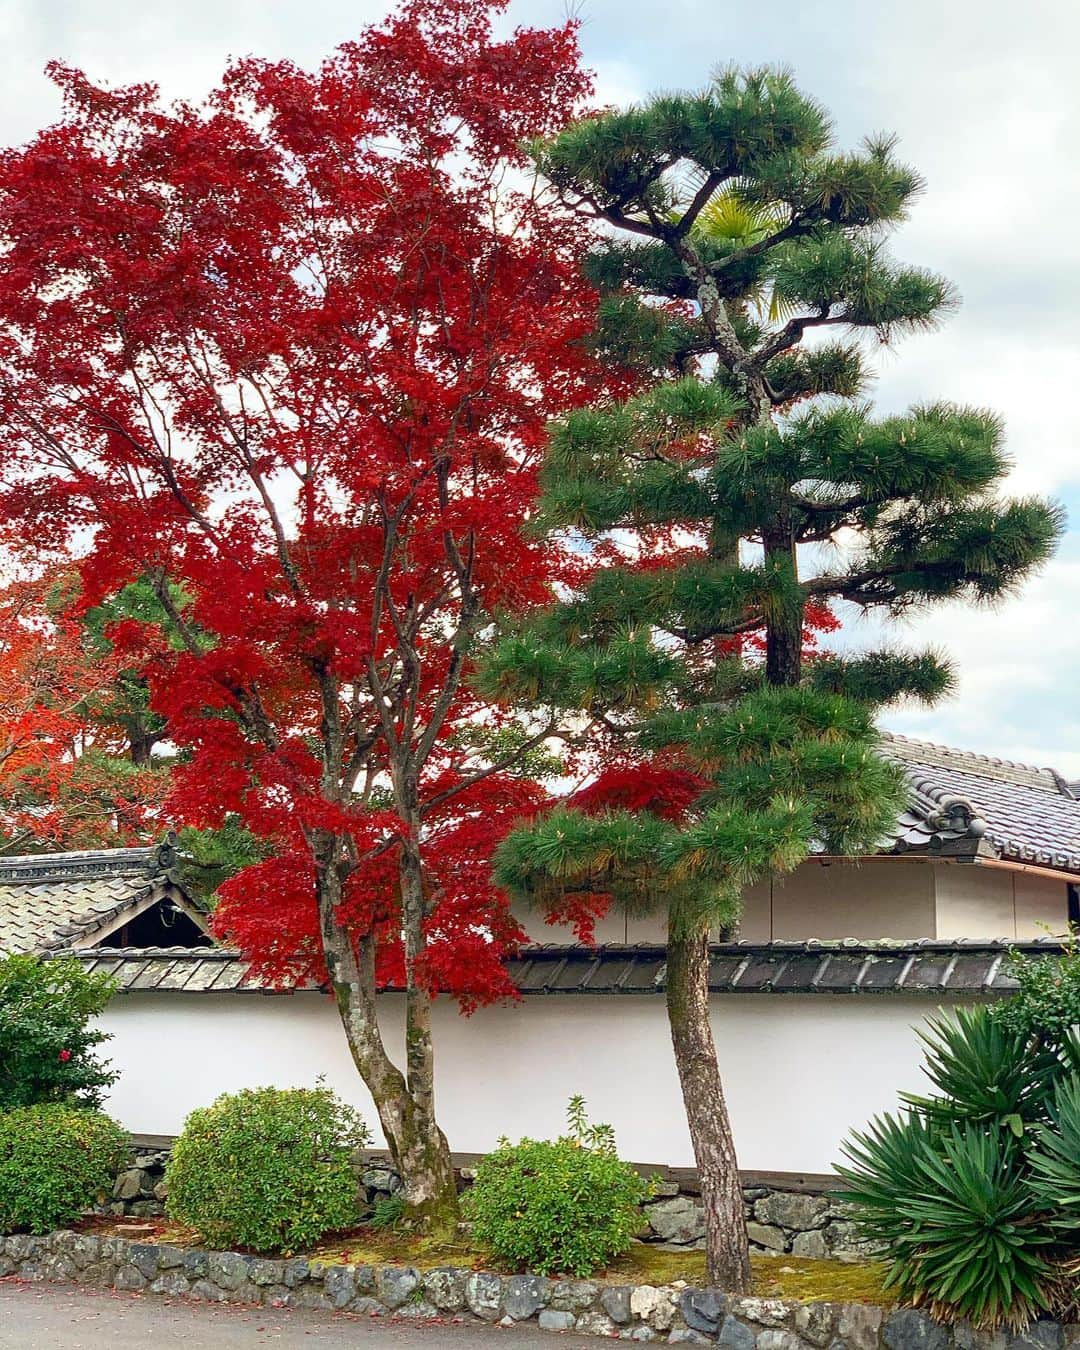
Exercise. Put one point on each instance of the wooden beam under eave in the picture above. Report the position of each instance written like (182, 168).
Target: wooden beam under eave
(1007, 865)
(972, 860)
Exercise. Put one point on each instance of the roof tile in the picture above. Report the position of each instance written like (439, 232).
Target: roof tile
(869, 969)
(963, 802)
(54, 900)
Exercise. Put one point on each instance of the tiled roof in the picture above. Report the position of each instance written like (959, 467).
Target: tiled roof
(968, 805)
(926, 968)
(55, 900)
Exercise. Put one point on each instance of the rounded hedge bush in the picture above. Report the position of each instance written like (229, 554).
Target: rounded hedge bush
(55, 1162)
(269, 1169)
(568, 1205)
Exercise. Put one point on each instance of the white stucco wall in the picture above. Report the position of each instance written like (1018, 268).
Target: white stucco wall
(1002, 902)
(887, 898)
(867, 899)
(799, 1071)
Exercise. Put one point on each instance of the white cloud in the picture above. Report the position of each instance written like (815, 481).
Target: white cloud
(1016, 665)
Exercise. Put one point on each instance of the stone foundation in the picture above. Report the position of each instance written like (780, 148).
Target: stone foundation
(140, 1190)
(672, 1315)
(778, 1222)
(800, 1223)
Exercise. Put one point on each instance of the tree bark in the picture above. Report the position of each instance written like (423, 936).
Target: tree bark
(784, 632)
(438, 1203)
(783, 654)
(727, 1252)
(418, 1148)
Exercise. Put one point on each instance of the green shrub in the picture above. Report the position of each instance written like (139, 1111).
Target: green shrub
(1047, 1003)
(56, 1161)
(270, 1169)
(46, 1043)
(569, 1204)
(961, 1223)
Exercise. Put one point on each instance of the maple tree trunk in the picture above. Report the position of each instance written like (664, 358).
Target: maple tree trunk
(434, 1186)
(727, 1251)
(418, 1148)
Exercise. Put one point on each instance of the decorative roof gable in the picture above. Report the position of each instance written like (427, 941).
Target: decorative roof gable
(54, 901)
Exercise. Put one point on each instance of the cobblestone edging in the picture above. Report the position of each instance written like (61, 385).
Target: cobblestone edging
(672, 1315)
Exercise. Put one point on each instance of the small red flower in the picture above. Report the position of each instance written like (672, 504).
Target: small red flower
(65, 1055)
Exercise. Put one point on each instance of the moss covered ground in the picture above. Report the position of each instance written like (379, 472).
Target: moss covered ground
(774, 1276)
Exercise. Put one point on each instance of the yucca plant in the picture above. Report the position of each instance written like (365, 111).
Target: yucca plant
(1070, 1050)
(1054, 1158)
(975, 1191)
(1067, 1291)
(884, 1167)
(986, 1072)
(965, 1233)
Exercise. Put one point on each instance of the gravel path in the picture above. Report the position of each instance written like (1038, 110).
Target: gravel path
(63, 1317)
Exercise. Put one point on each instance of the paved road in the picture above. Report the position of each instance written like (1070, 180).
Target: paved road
(62, 1317)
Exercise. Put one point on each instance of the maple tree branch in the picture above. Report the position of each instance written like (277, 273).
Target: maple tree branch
(240, 441)
(429, 805)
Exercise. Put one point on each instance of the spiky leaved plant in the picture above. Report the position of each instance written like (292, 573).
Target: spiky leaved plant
(742, 484)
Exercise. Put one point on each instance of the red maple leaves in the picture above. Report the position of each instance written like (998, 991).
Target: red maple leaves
(61, 783)
(291, 353)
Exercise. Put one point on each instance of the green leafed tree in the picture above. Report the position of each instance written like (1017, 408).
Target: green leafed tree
(742, 486)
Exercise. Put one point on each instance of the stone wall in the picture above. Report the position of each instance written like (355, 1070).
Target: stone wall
(672, 1315)
(140, 1190)
(800, 1223)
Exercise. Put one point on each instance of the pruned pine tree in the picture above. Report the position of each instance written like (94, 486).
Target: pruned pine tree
(744, 481)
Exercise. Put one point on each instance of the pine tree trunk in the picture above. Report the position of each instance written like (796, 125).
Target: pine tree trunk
(784, 631)
(418, 1148)
(783, 655)
(727, 1251)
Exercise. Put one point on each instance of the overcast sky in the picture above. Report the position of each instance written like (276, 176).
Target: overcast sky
(984, 97)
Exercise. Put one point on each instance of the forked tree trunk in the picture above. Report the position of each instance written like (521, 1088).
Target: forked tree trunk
(417, 1146)
(727, 1251)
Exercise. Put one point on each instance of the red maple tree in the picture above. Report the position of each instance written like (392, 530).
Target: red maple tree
(293, 351)
(65, 781)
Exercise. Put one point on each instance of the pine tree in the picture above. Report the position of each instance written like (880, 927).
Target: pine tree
(712, 495)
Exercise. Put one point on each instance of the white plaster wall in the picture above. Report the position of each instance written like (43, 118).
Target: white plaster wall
(995, 902)
(974, 901)
(799, 1071)
(1042, 904)
(615, 927)
(873, 899)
